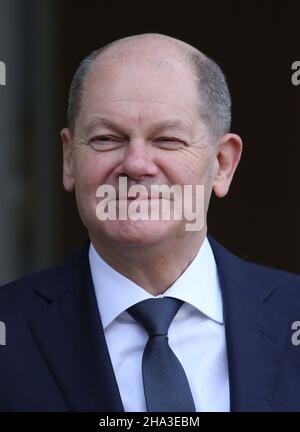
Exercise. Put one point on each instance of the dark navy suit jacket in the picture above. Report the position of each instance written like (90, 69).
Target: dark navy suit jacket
(56, 358)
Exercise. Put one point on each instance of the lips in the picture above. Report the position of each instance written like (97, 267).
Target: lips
(139, 197)
(144, 198)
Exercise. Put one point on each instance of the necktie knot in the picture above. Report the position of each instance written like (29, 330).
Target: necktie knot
(156, 315)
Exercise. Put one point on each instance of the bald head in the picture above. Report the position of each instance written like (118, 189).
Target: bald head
(149, 45)
(161, 53)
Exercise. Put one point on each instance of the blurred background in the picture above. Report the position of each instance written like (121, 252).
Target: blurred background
(42, 43)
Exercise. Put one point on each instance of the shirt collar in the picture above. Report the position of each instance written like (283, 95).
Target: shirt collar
(198, 285)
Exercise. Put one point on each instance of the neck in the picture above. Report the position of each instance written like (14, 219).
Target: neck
(154, 268)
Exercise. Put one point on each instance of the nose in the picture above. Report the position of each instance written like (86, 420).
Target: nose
(138, 161)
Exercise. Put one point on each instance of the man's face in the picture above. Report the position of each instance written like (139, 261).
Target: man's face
(139, 119)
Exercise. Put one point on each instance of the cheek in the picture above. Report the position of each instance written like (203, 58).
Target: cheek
(91, 171)
(187, 168)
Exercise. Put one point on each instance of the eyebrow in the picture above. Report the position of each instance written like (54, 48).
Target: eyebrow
(156, 128)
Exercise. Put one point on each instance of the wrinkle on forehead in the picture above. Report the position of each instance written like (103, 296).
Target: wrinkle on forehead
(125, 85)
(119, 113)
(135, 115)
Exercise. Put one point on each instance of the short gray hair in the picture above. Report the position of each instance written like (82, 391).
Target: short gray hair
(215, 106)
(215, 99)
(77, 87)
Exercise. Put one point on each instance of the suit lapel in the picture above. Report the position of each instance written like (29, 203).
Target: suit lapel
(255, 335)
(70, 337)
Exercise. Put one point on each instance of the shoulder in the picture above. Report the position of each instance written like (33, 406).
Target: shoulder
(21, 293)
(226, 259)
(277, 276)
(277, 288)
(285, 296)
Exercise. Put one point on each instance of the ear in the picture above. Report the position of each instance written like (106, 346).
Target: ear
(68, 176)
(228, 153)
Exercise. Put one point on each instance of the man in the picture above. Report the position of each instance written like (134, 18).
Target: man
(150, 315)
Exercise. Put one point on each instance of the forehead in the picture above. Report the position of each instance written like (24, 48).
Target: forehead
(142, 86)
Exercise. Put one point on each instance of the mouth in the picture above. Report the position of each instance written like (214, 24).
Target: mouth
(139, 198)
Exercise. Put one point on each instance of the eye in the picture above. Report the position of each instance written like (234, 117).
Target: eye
(106, 142)
(169, 143)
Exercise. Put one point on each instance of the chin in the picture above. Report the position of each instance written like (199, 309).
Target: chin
(136, 233)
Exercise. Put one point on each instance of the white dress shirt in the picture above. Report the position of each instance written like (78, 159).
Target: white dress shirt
(196, 335)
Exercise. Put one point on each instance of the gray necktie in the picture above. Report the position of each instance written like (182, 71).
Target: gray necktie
(165, 383)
